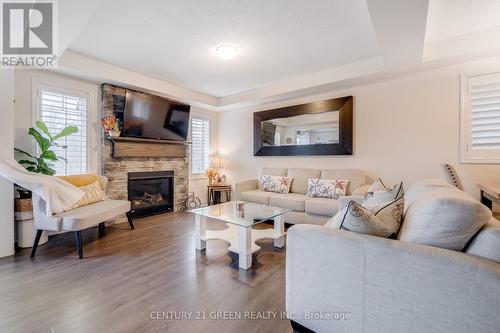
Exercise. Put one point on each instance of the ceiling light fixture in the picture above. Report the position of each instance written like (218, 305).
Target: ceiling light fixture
(227, 51)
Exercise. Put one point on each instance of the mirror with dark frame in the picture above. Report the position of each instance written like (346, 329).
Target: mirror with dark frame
(317, 128)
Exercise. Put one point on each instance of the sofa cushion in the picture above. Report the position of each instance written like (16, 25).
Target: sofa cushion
(423, 186)
(294, 201)
(486, 243)
(256, 196)
(93, 214)
(301, 177)
(322, 206)
(443, 217)
(356, 177)
(272, 172)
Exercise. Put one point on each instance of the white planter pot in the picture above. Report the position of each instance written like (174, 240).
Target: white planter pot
(26, 234)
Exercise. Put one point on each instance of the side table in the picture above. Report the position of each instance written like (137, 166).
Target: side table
(214, 193)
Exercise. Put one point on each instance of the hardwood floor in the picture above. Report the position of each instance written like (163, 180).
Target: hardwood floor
(133, 281)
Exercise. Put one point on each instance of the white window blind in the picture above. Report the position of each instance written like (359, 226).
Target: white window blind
(481, 119)
(59, 108)
(200, 156)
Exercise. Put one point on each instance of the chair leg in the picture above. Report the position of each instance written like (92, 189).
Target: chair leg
(130, 221)
(35, 243)
(79, 244)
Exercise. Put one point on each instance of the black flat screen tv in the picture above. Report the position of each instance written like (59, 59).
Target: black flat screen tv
(153, 117)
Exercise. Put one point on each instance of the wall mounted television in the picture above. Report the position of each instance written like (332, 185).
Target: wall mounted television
(154, 117)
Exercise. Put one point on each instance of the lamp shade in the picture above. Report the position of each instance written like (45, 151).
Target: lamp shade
(216, 161)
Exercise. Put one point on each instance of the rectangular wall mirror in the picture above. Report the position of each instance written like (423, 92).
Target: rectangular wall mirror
(318, 128)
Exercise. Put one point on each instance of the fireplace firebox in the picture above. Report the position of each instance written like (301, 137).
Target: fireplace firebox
(151, 192)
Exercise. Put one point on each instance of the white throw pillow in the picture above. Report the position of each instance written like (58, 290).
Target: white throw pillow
(382, 219)
(326, 188)
(384, 195)
(277, 184)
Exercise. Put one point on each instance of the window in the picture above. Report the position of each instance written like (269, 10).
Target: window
(59, 108)
(200, 158)
(480, 119)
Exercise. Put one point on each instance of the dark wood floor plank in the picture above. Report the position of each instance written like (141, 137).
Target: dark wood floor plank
(128, 274)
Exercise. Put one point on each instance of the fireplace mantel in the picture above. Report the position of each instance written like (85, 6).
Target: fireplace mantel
(137, 147)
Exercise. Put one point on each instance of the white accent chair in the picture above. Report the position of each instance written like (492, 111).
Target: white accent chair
(78, 219)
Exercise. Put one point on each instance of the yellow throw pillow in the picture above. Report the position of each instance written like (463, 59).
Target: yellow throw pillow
(82, 179)
(93, 193)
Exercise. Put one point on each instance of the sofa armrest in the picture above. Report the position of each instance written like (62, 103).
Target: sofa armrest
(386, 285)
(245, 185)
(344, 201)
(361, 191)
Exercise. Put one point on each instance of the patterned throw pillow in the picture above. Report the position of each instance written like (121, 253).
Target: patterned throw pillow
(277, 184)
(383, 219)
(93, 193)
(326, 188)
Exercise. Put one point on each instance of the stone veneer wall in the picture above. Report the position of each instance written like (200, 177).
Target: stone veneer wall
(116, 169)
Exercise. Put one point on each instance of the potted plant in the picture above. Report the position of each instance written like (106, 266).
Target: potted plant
(45, 141)
(111, 126)
(42, 163)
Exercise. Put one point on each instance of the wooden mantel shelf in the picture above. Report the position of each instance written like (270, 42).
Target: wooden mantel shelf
(137, 147)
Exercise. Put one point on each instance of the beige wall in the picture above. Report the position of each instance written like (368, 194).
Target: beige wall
(403, 130)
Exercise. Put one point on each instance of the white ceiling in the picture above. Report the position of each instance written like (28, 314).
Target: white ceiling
(290, 47)
(280, 39)
(451, 18)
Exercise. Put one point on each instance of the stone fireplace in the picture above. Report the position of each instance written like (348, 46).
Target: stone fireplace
(118, 167)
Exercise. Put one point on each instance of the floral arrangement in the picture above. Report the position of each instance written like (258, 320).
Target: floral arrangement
(211, 174)
(111, 124)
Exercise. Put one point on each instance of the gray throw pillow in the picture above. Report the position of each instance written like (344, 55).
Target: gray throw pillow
(379, 193)
(381, 219)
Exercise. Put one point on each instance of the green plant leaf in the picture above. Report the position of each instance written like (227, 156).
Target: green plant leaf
(65, 132)
(41, 125)
(49, 155)
(44, 143)
(44, 168)
(25, 153)
(26, 162)
(32, 169)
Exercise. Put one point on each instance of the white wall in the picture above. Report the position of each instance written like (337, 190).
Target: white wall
(198, 182)
(6, 150)
(403, 130)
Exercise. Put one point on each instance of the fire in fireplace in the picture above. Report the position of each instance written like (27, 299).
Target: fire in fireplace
(151, 192)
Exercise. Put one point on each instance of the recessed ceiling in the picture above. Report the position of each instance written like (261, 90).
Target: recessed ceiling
(452, 18)
(289, 48)
(280, 39)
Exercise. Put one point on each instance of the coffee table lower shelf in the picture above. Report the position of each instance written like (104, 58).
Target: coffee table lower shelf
(242, 239)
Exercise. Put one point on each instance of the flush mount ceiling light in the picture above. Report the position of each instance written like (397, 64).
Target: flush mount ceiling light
(226, 51)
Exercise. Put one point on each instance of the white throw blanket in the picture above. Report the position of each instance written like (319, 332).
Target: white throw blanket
(59, 195)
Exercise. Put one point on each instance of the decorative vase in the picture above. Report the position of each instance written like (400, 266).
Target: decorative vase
(114, 134)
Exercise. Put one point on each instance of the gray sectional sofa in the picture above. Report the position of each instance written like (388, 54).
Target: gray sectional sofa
(305, 210)
(374, 284)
